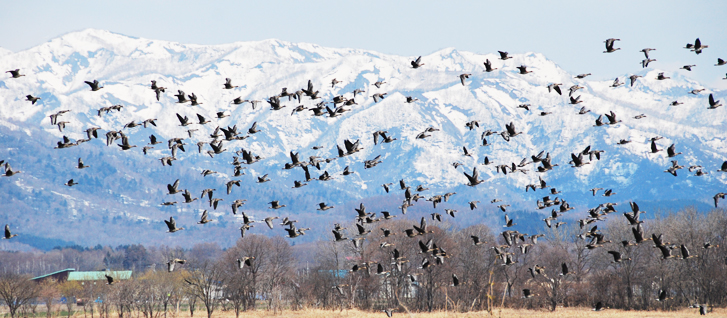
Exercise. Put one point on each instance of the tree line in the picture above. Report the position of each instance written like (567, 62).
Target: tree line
(450, 272)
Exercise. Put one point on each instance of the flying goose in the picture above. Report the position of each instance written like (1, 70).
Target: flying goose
(462, 77)
(450, 212)
(275, 205)
(158, 91)
(617, 257)
(230, 184)
(575, 100)
(207, 172)
(523, 69)
(238, 100)
(263, 179)
(207, 192)
(70, 183)
(661, 76)
(244, 228)
(665, 252)
(361, 230)
(654, 148)
(54, 116)
(713, 103)
(633, 79)
(473, 178)
(338, 236)
(188, 197)
(709, 245)
(417, 63)
(697, 47)
(173, 188)
(193, 100)
(476, 240)
(202, 120)
(269, 221)
(184, 121)
(609, 45)
(508, 222)
(723, 168)
(717, 197)
(7, 234)
(172, 262)
(245, 261)
(578, 160)
(646, 51)
(358, 91)
(685, 252)
(488, 66)
(645, 62)
(125, 143)
(80, 164)
(181, 97)
(563, 270)
(15, 73)
(503, 55)
(687, 67)
(228, 84)
(616, 83)
(214, 202)
(555, 87)
(671, 152)
(205, 218)
(172, 225)
(528, 294)
(32, 99)
(94, 85)
(612, 118)
(379, 96)
(253, 129)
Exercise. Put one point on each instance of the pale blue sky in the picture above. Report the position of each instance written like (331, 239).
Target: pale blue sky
(571, 33)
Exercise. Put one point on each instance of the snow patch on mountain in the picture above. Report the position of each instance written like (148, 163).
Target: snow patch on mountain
(56, 71)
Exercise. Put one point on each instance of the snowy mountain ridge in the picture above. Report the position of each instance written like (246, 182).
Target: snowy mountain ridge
(56, 71)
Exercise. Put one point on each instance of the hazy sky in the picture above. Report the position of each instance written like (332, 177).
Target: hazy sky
(571, 33)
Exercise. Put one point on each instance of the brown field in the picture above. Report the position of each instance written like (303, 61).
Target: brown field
(508, 313)
(505, 313)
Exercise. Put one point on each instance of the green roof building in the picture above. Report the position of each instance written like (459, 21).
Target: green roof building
(99, 275)
(73, 275)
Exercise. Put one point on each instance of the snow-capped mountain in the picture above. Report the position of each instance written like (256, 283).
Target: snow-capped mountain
(118, 197)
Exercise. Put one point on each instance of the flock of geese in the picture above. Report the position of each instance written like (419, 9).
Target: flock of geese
(514, 241)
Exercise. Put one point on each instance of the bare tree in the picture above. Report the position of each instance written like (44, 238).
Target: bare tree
(206, 284)
(48, 292)
(124, 296)
(16, 291)
(70, 290)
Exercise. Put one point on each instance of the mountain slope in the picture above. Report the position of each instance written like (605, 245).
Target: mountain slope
(120, 193)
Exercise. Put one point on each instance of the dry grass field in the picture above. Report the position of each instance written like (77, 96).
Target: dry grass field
(505, 313)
